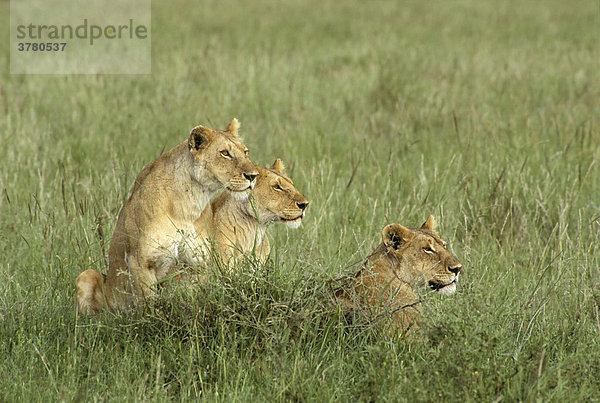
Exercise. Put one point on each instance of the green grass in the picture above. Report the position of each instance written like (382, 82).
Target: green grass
(484, 114)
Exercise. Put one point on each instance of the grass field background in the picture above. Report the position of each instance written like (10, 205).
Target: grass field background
(485, 114)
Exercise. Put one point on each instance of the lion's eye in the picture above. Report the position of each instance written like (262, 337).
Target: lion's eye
(428, 250)
(225, 154)
(278, 188)
(246, 152)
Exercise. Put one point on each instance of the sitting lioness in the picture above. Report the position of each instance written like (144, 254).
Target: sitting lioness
(155, 228)
(407, 259)
(235, 227)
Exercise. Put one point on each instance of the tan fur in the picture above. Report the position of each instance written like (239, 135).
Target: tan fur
(407, 259)
(155, 229)
(236, 227)
(88, 287)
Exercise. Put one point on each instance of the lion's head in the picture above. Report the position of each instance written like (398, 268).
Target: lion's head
(419, 257)
(221, 159)
(276, 198)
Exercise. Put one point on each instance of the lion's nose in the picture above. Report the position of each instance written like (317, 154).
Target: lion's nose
(250, 177)
(302, 206)
(455, 269)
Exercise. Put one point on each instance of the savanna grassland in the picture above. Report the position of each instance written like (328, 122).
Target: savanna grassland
(485, 114)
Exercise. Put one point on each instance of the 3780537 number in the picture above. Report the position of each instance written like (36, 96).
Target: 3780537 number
(41, 47)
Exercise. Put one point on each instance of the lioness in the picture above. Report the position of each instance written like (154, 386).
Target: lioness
(155, 228)
(237, 227)
(408, 258)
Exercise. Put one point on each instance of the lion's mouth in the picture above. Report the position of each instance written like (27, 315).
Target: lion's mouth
(246, 189)
(236, 187)
(442, 287)
(292, 222)
(285, 219)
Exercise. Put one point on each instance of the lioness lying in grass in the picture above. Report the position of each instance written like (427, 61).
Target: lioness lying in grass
(407, 259)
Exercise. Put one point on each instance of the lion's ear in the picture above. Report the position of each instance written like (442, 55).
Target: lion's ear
(200, 136)
(278, 166)
(395, 235)
(429, 224)
(233, 127)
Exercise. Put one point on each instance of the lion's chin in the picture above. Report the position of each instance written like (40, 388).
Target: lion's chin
(447, 289)
(240, 195)
(293, 224)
